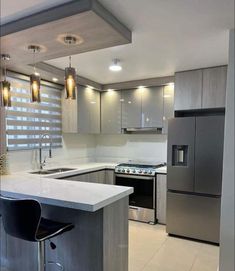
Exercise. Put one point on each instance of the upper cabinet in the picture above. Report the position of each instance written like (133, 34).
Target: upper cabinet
(83, 114)
(188, 90)
(88, 111)
(111, 112)
(168, 106)
(214, 87)
(200, 89)
(131, 108)
(152, 107)
(69, 115)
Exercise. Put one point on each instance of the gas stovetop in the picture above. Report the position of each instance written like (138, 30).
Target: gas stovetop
(138, 169)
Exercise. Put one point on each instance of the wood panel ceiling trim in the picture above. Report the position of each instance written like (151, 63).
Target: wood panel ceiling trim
(46, 16)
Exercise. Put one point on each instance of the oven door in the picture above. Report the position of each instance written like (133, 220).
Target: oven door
(142, 203)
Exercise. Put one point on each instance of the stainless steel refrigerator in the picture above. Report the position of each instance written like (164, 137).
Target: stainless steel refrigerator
(194, 176)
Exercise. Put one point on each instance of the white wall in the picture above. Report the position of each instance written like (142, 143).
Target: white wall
(227, 240)
(76, 149)
(100, 148)
(135, 147)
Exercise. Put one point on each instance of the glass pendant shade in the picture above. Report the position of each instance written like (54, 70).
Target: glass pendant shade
(6, 93)
(70, 83)
(35, 88)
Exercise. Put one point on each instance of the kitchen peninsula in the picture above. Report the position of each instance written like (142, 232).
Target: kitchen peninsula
(98, 211)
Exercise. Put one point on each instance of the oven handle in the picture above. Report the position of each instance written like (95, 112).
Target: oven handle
(134, 177)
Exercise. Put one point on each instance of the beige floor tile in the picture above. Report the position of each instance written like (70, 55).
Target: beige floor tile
(207, 259)
(151, 249)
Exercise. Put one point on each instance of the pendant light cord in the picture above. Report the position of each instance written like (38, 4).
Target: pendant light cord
(70, 60)
(5, 69)
(34, 65)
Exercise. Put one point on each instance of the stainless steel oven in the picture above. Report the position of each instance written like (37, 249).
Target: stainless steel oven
(142, 203)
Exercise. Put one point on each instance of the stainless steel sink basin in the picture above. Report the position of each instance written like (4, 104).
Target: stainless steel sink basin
(51, 171)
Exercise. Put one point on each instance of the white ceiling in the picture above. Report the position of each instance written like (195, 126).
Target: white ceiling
(168, 36)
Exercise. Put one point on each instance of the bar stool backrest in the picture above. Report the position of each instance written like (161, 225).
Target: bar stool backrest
(20, 217)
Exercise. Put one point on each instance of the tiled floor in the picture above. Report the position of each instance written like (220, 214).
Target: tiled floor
(151, 249)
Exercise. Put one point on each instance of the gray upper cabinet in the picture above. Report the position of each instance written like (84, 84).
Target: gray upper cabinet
(214, 87)
(83, 114)
(111, 112)
(168, 106)
(69, 115)
(131, 108)
(152, 107)
(188, 90)
(88, 110)
(200, 89)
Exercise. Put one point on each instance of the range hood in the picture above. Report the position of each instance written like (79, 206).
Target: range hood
(143, 130)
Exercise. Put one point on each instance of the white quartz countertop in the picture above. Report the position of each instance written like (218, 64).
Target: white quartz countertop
(64, 193)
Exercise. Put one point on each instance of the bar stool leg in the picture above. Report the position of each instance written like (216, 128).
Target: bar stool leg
(41, 256)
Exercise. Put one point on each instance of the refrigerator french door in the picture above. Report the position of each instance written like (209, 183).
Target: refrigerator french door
(194, 177)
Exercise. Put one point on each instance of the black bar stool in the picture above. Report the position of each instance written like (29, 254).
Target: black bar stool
(22, 219)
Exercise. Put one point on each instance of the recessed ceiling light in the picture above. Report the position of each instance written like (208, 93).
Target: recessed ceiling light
(37, 73)
(141, 86)
(115, 66)
(171, 84)
(54, 79)
(90, 87)
(110, 90)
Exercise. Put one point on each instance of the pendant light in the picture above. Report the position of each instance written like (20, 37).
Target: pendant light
(70, 72)
(35, 81)
(5, 85)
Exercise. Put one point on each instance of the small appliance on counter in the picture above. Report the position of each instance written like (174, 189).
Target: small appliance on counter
(142, 177)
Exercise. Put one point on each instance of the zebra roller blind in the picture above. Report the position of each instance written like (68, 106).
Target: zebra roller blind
(27, 122)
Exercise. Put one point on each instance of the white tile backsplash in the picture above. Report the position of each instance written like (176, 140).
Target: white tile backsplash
(131, 147)
(101, 148)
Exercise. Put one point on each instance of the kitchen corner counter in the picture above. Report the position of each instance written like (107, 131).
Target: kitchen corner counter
(99, 213)
(64, 193)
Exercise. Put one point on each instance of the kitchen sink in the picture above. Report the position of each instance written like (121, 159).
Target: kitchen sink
(51, 171)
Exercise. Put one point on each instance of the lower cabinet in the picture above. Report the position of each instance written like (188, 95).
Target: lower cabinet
(109, 176)
(101, 176)
(161, 198)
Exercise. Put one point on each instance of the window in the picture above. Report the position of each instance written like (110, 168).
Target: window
(27, 122)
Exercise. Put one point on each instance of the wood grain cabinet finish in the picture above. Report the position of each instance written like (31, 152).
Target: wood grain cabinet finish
(188, 90)
(109, 176)
(168, 106)
(214, 87)
(111, 112)
(100, 176)
(161, 198)
(88, 110)
(152, 107)
(131, 108)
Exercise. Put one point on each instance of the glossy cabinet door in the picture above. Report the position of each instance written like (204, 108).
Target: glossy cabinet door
(88, 111)
(188, 90)
(131, 108)
(111, 112)
(69, 115)
(161, 198)
(168, 106)
(152, 107)
(214, 87)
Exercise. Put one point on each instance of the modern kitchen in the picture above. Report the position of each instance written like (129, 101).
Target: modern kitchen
(117, 135)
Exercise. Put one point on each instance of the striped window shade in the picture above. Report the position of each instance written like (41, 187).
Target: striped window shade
(26, 122)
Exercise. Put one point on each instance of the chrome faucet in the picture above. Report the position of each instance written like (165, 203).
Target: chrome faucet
(42, 164)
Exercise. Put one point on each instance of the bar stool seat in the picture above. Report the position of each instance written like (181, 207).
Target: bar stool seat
(49, 229)
(22, 219)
